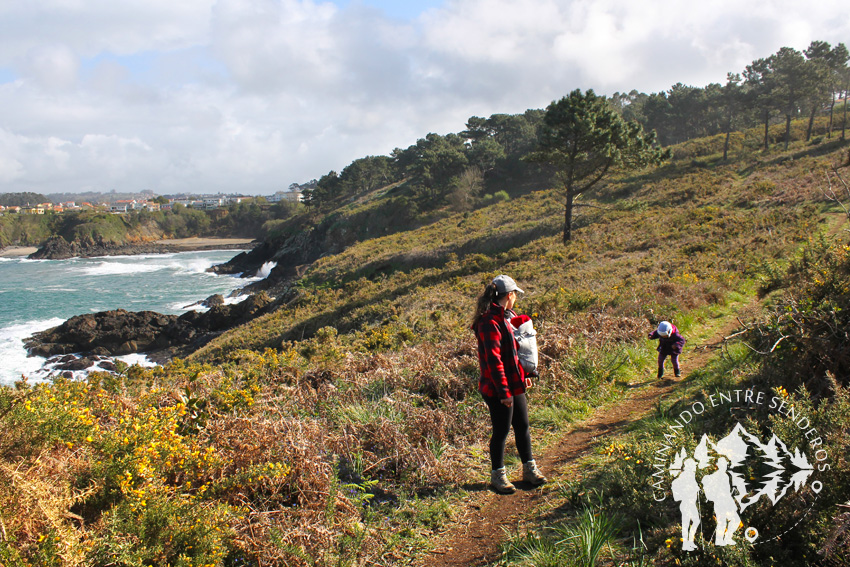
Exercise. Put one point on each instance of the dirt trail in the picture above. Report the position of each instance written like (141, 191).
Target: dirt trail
(474, 538)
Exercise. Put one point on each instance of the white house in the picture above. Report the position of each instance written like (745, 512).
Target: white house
(292, 195)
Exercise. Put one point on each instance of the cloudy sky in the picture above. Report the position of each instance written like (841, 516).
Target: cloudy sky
(252, 95)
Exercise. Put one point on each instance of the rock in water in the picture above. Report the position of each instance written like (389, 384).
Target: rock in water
(213, 300)
(120, 332)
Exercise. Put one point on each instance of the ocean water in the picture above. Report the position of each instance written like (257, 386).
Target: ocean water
(39, 294)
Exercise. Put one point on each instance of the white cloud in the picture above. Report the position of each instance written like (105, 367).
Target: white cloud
(90, 27)
(251, 95)
(10, 166)
(53, 67)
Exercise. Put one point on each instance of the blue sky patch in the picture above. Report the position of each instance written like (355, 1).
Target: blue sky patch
(162, 68)
(406, 10)
(7, 75)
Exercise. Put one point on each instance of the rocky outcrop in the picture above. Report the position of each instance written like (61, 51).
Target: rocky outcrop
(120, 332)
(57, 248)
(247, 263)
(70, 362)
(292, 255)
(212, 301)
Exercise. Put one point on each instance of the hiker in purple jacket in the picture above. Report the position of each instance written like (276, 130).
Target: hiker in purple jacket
(670, 342)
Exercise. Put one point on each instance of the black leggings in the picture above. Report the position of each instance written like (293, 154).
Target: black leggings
(503, 417)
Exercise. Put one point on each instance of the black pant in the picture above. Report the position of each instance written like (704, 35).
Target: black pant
(503, 417)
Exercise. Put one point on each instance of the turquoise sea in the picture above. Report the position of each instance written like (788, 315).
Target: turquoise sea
(39, 294)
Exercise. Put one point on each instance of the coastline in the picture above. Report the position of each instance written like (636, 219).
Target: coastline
(197, 243)
(38, 296)
(165, 246)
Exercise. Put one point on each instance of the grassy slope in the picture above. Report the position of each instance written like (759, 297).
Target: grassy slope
(662, 242)
(265, 443)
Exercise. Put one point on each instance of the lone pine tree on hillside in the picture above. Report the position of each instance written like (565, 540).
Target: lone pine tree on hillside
(586, 140)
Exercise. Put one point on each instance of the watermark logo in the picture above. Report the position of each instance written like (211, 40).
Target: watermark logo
(720, 481)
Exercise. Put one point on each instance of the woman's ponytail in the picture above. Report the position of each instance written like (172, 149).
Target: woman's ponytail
(486, 299)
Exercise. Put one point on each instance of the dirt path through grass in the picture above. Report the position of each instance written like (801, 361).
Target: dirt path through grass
(474, 537)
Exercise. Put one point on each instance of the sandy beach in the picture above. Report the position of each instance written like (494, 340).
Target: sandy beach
(17, 251)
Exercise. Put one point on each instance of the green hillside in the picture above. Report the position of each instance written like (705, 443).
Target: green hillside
(344, 428)
(246, 219)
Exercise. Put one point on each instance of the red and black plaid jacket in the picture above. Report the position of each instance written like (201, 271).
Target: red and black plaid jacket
(501, 374)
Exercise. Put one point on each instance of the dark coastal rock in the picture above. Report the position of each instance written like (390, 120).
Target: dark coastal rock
(223, 317)
(71, 362)
(78, 364)
(213, 300)
(107, 365)
(120, 332)
(246, 263)
(116, 332)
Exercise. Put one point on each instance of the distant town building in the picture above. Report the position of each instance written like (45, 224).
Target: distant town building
(210, 203)
(293, 195)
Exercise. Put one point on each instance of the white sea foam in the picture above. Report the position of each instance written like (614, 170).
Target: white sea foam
(193, 266)
(14, 355)
(136, 359)
(153, 256)
(16, 363)
(187, 306)
(146, 264)
(266, 269)
(120, 268)
(196, 305)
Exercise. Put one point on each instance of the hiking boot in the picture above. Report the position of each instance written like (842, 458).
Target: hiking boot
(500, 483)
(531, 474)
(678, 373)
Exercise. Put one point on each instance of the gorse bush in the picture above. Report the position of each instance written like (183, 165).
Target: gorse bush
(807, 325)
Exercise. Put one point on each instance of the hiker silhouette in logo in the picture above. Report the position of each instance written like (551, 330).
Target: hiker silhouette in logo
(686, 490)
(718, 489)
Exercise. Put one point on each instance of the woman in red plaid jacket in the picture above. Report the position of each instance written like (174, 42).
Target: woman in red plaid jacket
(502, 383)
